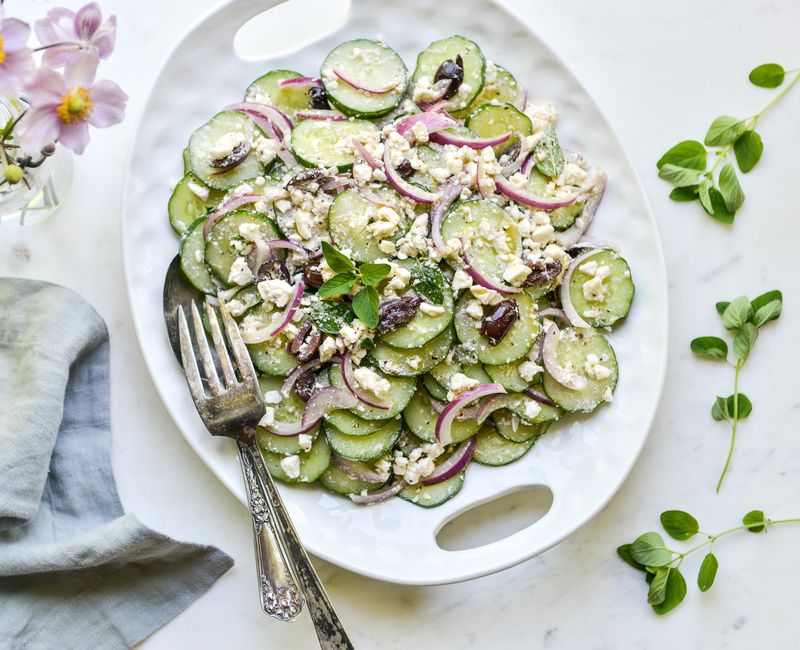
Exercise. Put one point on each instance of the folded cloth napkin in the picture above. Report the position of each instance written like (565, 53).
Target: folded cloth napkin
(75, 571)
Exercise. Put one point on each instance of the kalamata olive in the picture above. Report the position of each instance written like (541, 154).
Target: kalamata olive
(405, 169)
(237, 155)
(498, 321)
(319, 99)
(312, 276)
(308, 176)
(306, 342)
(304, 385)
(511, 152)
(396, 312)
(542, 272)
(452, 71)
(274, 269)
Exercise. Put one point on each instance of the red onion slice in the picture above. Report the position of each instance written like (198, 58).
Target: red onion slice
(293, 376)
(291, 308)
(321, 114)
(300, 81)
(366, 155)
(550, 358)
(326, 400)
(571, 235)
(523, 156)
(493, 403)
(258, 254)
(479, 278)
(370, 196)
(453, 465)
(289, 429)
(528, 165)
(466, 414)
(506, 187)
(278, 118)
(379, 495)
(553, 312)
(451, 411)
(229, 205)
(364, 89)
(356, 470)
(403, 187)
(288, 245)
(540, 398)
(448, 193)
(433, 120)
(473, 142)
(273, 134)
(346, 368)
(566, 299)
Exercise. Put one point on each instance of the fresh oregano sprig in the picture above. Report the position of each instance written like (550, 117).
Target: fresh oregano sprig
(366, 301)
(742, 317)
(661, 565)
(704, 171)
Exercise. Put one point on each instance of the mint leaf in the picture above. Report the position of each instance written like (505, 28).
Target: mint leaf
(721, 307)
(689, 154)
(365, 304)
(720, 409)
(744, 339)
(687, 193)
(725, 130)
(707, 573)
(768, 312)
(658, 587)
(711, 347)
(745, 406)
(624, 552)
(755, 521)
(680, 176)
(674, 593)
(338, 285)
(768, 75)
(679, 525)
(730, 189)
(330, 317)
(766, 298)
(371, 274)
(718, 209)
(704, 192)
(748, 149)
(428, 282)
(737, 313)
(339, 262)
(548, 154)
(649, 549)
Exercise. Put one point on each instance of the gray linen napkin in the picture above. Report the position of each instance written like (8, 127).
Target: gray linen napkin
(75, 571)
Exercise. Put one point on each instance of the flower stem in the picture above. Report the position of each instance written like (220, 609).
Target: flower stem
(713, 538)
(776, 99)
(734, 424)
(77, 44)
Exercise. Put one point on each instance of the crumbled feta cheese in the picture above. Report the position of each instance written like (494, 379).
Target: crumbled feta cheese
(485, 296)
(461, 280)
(459, 383)
(528, 370)
(383, 467)
(266, 150)
(431, 310)
(225, 145)
(277, 292)
(362, 173)
(387, 247)
(291, 466)
(200, 191)
(589, 267)
(516, 273)
(240, 273)
(532, 409)
(594, 290)
(272, 397)
(420, 132)
(595, 369)
(385, 223)
(327, 348)
(305, 441)
(372, 382)
(250, 231)
(268, 419)
(607, 395)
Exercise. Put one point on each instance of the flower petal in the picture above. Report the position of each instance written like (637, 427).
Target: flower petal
(105, 37)
(15, 34)
(74, 136)
(61, 56)
(59, 25)
(45, 88)
(88, 21)
(108, 101)
(81, 69)
(38, 127)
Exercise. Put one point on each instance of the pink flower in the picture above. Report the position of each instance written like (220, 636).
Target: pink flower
(63, 107)
(65, 34)
(16, 59)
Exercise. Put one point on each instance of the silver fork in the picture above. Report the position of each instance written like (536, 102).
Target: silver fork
(232, 409)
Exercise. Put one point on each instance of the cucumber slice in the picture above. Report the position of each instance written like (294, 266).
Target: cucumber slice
(618, 286)
(496, 119)
(267, 90)
(318, 143)
(493, 449)
(544, 412)
(271, 356)
(429, 496)
(438, 52)
(349, 217)
(193, 258)
(436, 390)
(490, 235)
(431, 157)
(336, 481)
(507, 375)
(312, 463)
(243, 300)
(352, 425)
(185, 207)
(573, 348)
(264, 185)
(560, 218)
(400, 391)
(408, 363)
(421, 417)
(203, 141)
(370, 64)
(513, 428)
(186, 166)
(288, 411)
(499, 87)
(224, 240)
(515, 344)
(422, 328)
(367, 447)
(444, 372)
(281, 445)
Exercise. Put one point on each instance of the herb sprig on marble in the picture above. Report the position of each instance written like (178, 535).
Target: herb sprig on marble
(661, 565)
(704, 171)
(743, 318)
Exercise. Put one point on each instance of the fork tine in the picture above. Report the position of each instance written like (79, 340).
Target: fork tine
(188, 360)
(205, 352)
(237, 344)
(219, 344)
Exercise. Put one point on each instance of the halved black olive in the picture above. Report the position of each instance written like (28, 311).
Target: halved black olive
(453, 71)
(318, 98)
(498, 321)
(405, 169)
(237, 155)
(542, 272)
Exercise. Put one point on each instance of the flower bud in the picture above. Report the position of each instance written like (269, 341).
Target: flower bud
(13, 174)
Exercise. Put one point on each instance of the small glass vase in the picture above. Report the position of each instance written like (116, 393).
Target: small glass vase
(47, 187)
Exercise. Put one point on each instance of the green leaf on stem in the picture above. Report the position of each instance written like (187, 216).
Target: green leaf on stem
(689, 154)
(429, 283)
(680, 176)
(720, 409)
(624, 552)
(679, 525)
(768, 312)
(338, 285)
(767, 75)
(730, 189)
(674, 594)
(649, 550)
(548, 154)
(658, 587)
(748, 149)
(681, 194)
(718, 208)
(704, 193)
(755, 521)
(737, 313)
(339, 262)
(707, 573)
(366, 304)
(744, 340)
(741, 409)
(330, 317)
(711, 347)
(371, 274)
(725, 130)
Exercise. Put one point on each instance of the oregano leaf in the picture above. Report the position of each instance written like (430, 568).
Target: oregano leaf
(748, 149)
(707, 573)
(767, 75)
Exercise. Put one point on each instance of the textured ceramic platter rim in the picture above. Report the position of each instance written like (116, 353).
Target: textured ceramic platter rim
(583, 461)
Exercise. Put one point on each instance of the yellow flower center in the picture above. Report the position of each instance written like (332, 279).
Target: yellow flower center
(75, 106)
(2, 50)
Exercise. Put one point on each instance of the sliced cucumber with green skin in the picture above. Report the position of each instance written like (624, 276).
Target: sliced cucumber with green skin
(421, 418)
(436, 390)
(371, 65)
(288, 411)
(400, 391)
(267, 90)
(186, 166)
(271, 356)
(193, 258)
(335, 480)
(185, 207)
(244, 299)
(618, 286)
(422, 328)
(507, 375)
(499, 87)
(513, 428)
(444, 372)
(221, 251)
(263, 185)
(560, 218)
(573, 348)
(513, 346)
(429, 496)
(352, 425)
(544, 412)
(494, 449)
(321, 143)
(203, 141)
(496, 119)
(481, 241)
(409, 363)
(367, 447)
(312, 463)
(282, 445)
(348, 218)
(438, 52)
(431, 157)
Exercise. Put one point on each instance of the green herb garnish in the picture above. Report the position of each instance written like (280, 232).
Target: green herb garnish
(548, 153)
(330, 316)
(428, 282)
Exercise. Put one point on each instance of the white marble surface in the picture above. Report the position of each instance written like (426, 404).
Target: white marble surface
(660, 71)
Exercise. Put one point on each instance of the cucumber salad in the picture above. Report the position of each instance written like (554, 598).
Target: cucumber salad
(405, 254)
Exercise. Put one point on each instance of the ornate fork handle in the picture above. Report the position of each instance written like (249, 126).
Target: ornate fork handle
(329, 628)
(279, 595)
